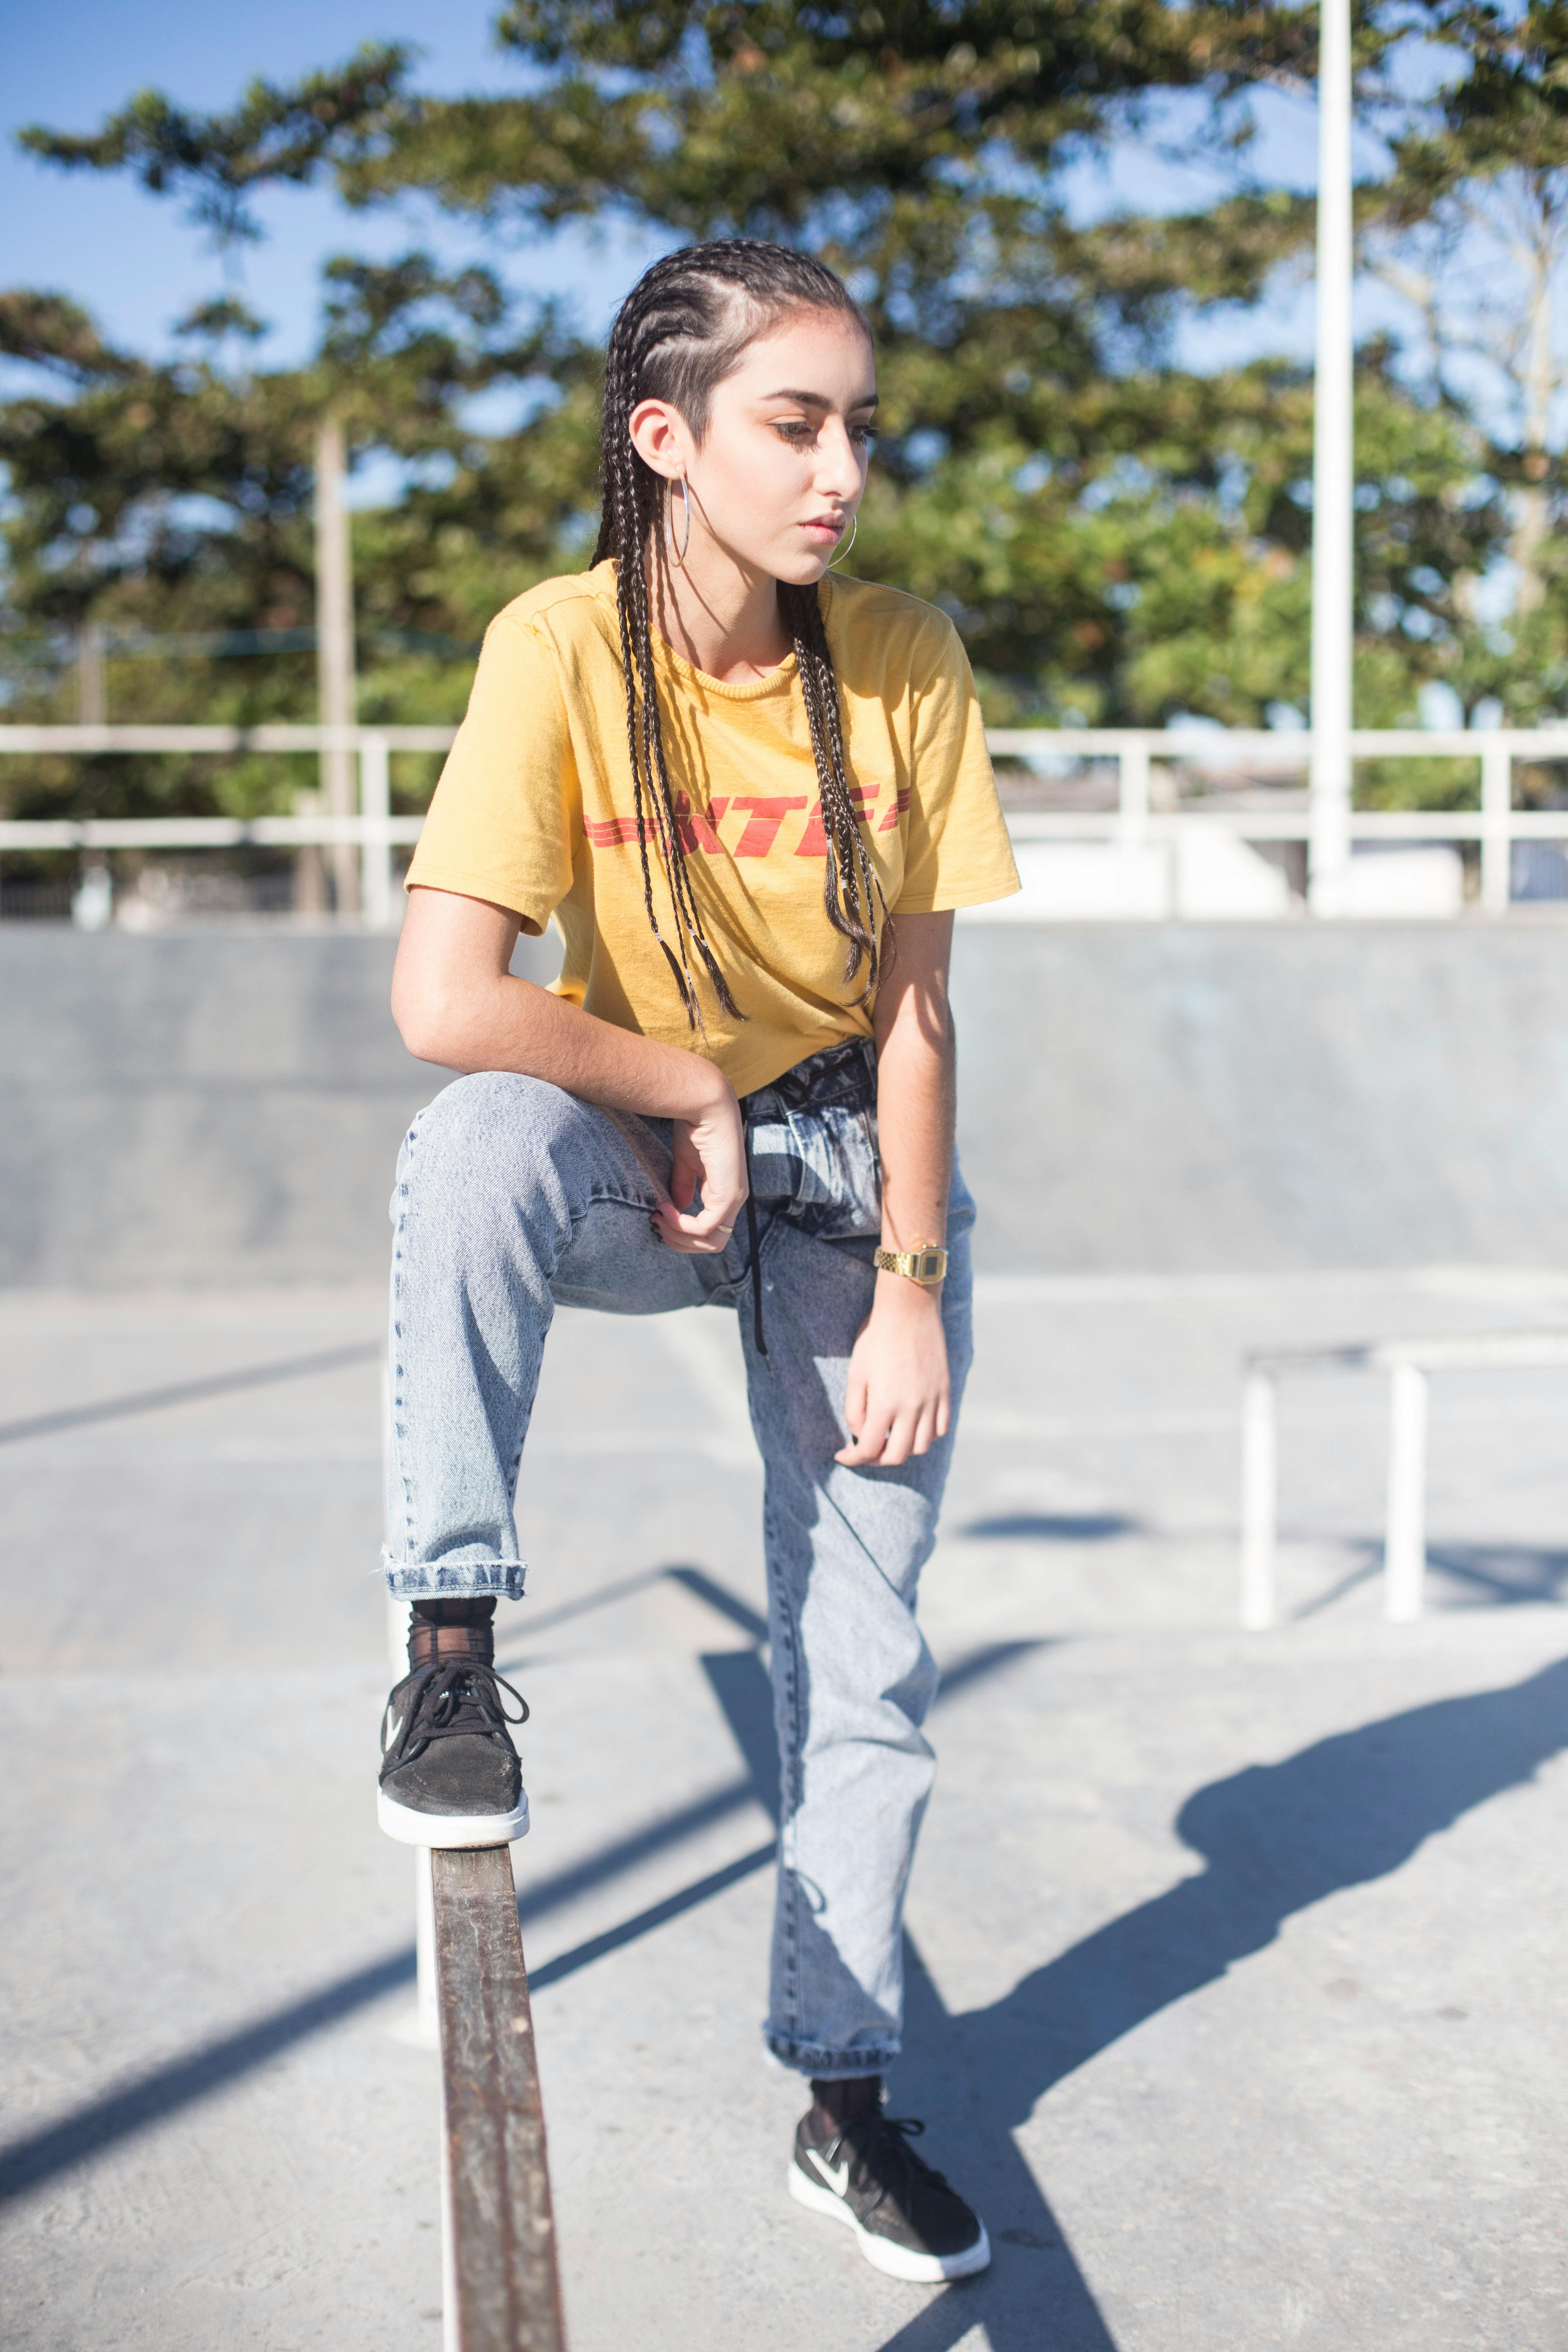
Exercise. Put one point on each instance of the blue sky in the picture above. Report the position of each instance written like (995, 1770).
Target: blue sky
(134, 262)
(131, 258)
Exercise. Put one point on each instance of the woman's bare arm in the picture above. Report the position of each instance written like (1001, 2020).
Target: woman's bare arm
(456, 1002)
(899, 1396)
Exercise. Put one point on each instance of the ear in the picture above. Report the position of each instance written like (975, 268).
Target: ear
(662, 439)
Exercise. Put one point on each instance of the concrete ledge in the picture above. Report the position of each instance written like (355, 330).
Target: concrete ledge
(226, 1107)
(1191, 1097)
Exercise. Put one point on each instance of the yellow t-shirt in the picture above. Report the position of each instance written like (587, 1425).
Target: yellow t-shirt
(534, 811)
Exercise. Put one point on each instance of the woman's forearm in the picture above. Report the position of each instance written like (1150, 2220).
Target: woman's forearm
(916, 1086)
(456, 1003)
(898, 1395)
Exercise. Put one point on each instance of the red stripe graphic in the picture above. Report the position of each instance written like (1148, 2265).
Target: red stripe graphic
(699, 828)
(611, 832)
(762, 826)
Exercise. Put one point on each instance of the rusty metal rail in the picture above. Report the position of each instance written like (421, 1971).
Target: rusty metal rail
(503, 2290)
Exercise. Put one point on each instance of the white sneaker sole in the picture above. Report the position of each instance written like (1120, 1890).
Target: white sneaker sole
(443, 1831)
(899, 2262)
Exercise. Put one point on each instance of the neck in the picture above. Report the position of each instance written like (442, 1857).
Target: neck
(716, 612)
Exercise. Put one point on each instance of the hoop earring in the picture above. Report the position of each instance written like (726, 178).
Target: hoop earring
(854, 527)
(678, 561)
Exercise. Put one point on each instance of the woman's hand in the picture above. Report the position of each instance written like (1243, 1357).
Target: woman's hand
(899, 1393)
(709, 1155)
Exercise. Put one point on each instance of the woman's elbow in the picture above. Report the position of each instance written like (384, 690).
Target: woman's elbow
(424, 1025)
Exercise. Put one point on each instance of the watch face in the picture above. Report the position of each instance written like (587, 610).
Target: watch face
(930, 1265)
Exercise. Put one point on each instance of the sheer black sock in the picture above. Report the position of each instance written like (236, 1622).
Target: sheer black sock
(835, 2105)
(440, 1630)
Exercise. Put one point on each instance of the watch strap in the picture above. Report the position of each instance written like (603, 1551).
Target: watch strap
(927, 1264)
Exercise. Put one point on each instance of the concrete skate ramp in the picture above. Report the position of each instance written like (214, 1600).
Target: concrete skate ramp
(1195, 1097)
(226, 1107)
(200, 1108)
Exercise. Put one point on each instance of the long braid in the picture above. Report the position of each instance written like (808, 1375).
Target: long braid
(624, 516)
(678, 333)
(850, 889)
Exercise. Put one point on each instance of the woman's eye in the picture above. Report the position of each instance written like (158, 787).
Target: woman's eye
(795, 429)
(863, 434)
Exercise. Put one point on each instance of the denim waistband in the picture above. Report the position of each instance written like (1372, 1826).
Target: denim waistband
(839, 1075)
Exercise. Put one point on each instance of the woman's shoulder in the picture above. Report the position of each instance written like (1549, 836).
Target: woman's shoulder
(568, 608)
(890, 628)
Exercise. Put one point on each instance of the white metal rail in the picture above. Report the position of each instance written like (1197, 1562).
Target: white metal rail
(1409, 1364)
(375, 831)
(1495, 825)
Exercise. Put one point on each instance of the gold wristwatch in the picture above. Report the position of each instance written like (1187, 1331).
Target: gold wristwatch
(927, 1264)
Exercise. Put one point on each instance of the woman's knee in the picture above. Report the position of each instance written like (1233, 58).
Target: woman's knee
(489, 1156)
(493, 1120)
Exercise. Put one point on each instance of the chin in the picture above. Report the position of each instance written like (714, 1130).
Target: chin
(803, 567)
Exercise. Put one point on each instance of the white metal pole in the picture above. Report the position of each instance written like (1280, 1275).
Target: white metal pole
(1133, 796)
(1259, 1497)
(424, 2032)
(397, 1610)
(376, 851)
(1333, 477)
(1405, 1535)
(335, 645)
(1497, 808)
(91, 676)
(426, 2016)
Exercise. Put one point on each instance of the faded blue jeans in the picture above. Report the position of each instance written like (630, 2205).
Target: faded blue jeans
(514, 1197)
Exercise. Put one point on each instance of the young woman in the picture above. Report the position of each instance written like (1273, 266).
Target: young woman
(751, 796)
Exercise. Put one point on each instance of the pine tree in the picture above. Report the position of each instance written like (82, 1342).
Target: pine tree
(1119, 539)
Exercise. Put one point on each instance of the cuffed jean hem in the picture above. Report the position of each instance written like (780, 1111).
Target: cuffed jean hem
(830, 2065)
(459, 1579)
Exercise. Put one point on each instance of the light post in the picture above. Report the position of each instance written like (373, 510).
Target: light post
(335, 647)
(1333, 478)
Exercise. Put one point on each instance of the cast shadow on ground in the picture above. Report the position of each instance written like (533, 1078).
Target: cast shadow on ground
(1274, 1839)
(739, 1682)
(214, 1384)
(1053, 1527)
(1487, 1575)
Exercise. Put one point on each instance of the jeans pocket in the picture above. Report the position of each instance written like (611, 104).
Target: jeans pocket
(840, 1193)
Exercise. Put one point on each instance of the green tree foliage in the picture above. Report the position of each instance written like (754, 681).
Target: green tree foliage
(1472, 227)
(1121, 540)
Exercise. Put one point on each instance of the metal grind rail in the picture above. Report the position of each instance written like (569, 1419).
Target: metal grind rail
(500, 2284)
(1409, 1364)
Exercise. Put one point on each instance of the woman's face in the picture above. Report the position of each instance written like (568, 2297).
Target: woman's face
(781, 469)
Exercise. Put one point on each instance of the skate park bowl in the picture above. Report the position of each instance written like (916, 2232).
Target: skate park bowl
(1232, 1970)
(210, 1107)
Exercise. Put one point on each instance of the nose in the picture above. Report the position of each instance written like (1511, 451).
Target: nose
(840, 471)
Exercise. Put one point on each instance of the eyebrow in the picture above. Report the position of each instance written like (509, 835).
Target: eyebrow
(820, 399)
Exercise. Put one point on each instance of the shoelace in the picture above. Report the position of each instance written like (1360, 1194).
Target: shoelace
(754, 1249)
(882, 2145)
(459, 1696)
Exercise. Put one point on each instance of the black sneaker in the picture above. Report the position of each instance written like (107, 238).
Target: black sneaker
(450, 1775)
(908, 2221)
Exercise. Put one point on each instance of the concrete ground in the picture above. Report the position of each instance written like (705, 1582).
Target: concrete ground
(1236, 1961)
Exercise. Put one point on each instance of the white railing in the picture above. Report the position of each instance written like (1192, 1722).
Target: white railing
(1496, 825)
(1409, 1364)
(375, 830)
(1131, 824)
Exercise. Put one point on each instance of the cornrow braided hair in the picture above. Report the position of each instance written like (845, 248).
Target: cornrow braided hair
(679, 332)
